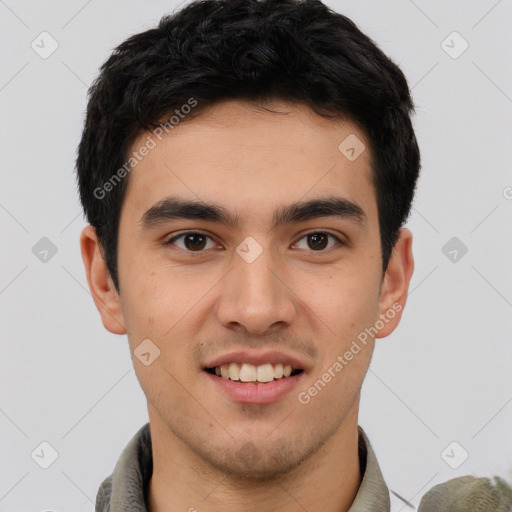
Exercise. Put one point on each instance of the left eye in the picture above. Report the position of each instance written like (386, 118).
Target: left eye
(191, 241)
(318, 241)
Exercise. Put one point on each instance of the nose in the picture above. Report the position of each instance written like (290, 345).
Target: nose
(255, 297)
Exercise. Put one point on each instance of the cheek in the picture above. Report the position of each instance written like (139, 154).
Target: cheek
(346, 307)
(167, 308)
(345, 301)
(151, 299)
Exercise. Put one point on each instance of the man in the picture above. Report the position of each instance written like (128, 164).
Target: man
(246, 168)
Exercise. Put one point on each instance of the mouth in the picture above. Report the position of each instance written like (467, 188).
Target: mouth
(250, 373)
(247, 377)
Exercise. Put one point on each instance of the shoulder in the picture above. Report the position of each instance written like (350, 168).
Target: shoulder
(468, 494)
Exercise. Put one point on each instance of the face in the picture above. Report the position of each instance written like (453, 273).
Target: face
(249, 246)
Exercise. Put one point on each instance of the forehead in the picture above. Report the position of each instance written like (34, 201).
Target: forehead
(249, 158)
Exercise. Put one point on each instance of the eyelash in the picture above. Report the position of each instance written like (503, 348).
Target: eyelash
(182, 235)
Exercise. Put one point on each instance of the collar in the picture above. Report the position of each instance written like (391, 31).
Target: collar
(125, 489)
(373, 493)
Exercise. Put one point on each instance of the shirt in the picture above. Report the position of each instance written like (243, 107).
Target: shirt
(125, 490)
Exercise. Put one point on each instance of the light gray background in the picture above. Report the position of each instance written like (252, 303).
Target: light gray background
(443, 376)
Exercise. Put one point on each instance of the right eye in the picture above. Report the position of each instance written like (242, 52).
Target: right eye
(192, 241)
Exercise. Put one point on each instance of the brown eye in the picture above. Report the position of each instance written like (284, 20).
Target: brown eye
(191, 241)
(195, 242)
(318, 241)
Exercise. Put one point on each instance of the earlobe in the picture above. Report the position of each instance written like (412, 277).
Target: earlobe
(102, 288)
(395, 286)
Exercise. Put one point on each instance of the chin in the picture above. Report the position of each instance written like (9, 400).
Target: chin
(260, 462)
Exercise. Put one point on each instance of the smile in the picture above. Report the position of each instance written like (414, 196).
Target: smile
(246, 372)
(255, 377)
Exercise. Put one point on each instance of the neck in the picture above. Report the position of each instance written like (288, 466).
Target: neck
(327, 481)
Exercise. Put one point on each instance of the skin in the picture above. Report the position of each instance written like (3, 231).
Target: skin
(210, 452)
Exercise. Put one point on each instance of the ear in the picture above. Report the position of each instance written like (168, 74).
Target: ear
(102, 287)
(395, 285)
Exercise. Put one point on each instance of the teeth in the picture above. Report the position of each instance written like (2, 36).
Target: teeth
(234, 372)
(249, 373)
(265, 373)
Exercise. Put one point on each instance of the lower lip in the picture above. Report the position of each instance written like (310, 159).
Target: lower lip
(256, 393)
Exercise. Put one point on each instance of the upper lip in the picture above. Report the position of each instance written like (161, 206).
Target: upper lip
(257, 359)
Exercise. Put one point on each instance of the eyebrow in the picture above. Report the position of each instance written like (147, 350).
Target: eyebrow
(172, 208)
